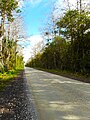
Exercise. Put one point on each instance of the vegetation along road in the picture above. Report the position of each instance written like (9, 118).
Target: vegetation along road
(57, 97)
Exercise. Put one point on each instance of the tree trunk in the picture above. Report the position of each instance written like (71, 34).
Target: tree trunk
(4, 46)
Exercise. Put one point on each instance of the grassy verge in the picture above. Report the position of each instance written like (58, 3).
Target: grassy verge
(69, 74)
(7, 77)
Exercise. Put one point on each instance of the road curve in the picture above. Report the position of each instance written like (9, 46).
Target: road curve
(57, 97)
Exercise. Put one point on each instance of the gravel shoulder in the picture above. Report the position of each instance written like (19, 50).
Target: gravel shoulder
(16, 101)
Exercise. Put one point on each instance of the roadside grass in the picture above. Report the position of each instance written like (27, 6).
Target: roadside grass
(69, 74)
(7, 77)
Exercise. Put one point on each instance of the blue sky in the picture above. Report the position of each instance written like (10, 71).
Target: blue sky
(35, 14)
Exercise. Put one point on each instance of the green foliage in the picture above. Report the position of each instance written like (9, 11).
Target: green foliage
(19, 62)
(71, 52)
(9, 59)
(7, 77)
(52, 55)
(6, 8)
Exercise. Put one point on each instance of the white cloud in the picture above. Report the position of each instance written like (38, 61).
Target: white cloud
(43, 3)
(34, 40)
(62, 5)
(35, 2)
(72, 3)
(26, 53)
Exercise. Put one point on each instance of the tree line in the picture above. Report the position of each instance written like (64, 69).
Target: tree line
(69, 49)
(10, 57)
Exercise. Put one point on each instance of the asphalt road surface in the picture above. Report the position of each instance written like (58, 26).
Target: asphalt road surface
(57, 97)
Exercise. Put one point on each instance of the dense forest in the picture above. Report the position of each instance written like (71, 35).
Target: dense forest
(10, 52)
(69, 49)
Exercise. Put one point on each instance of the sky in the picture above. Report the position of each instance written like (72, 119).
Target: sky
(36, 14)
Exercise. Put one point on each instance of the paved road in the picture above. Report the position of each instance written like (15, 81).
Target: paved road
(57, 97)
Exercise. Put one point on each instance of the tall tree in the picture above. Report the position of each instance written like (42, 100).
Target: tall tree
(7, 8)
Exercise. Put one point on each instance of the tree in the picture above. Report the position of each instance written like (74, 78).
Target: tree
(7, 8)
(73, 26)
(70, 49)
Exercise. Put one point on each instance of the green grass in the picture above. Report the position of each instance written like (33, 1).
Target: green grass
(7, 77)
